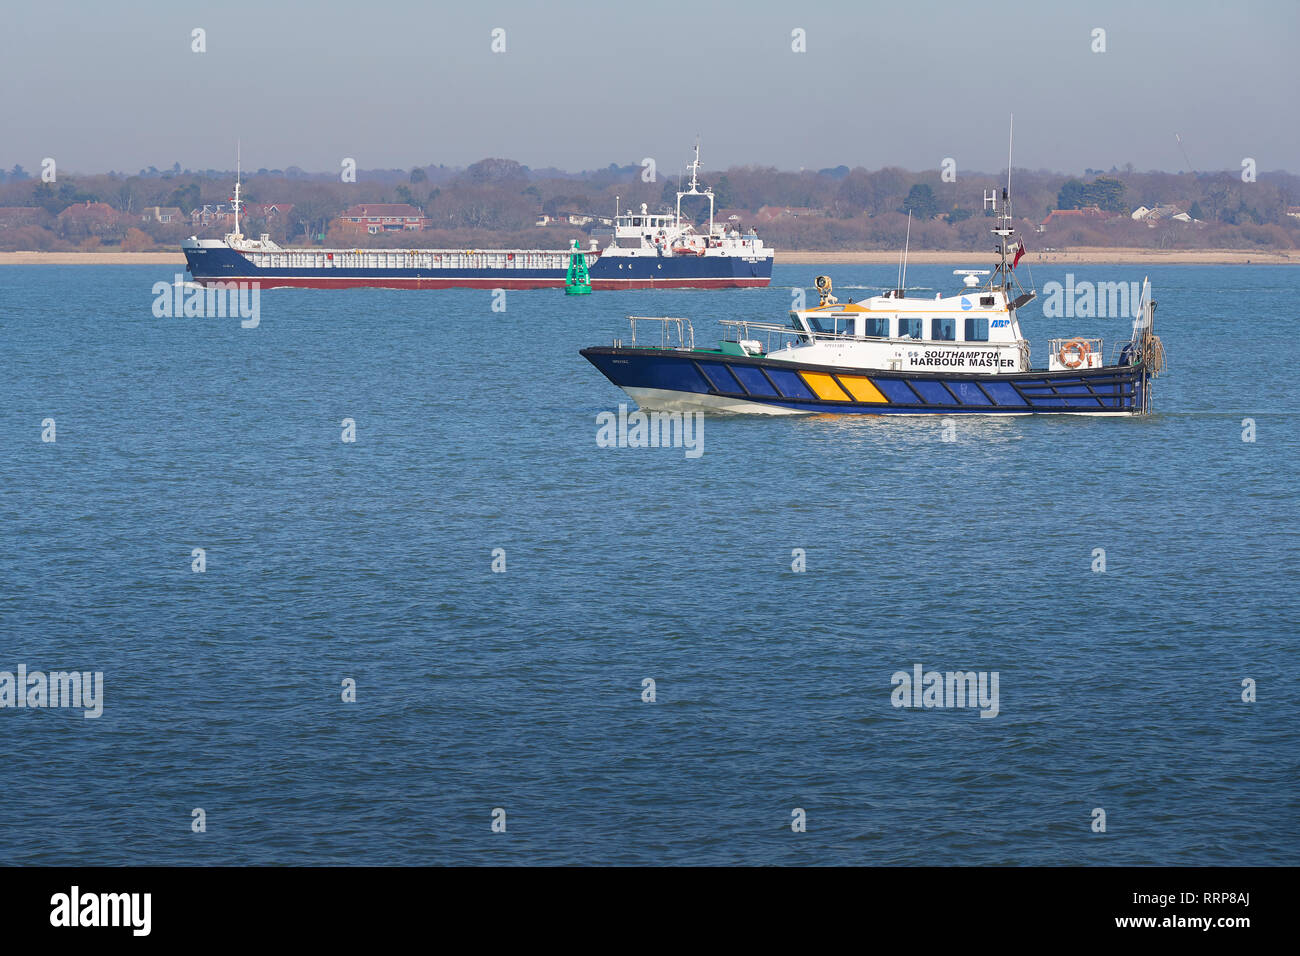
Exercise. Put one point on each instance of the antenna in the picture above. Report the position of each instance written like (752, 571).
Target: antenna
(236, 203)
(1011, 135)
(1004, 228)
(902, 260)
(1182, 149)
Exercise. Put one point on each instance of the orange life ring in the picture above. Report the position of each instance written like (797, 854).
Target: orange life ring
(1079, 348)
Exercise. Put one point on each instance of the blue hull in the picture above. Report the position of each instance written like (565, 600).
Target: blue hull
(696, 272)
(211, 265)
(713, 379)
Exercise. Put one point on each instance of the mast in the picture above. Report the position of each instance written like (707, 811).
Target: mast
(1004, 229)
(236, 202)
(902, 260)
(1011, 135)
(695, 189)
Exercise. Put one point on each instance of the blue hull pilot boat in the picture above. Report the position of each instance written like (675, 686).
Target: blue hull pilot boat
(892, 354)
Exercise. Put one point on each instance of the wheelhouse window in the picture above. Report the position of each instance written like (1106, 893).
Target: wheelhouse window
(910, 328)
(876, 328)
(977, 330)
(831, 324)
(943, 330)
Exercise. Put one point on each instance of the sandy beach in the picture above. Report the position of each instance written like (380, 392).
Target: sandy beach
(1082, 255)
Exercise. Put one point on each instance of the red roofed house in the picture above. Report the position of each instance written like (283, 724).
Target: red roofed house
(377, 217)
(94, 219)
(1087, 212)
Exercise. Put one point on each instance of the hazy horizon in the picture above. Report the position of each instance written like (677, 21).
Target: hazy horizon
(401, 85)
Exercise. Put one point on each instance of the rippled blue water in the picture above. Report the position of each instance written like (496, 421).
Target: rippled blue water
(476, 430)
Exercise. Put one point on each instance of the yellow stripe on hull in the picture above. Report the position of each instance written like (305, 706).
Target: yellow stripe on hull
(863, 389)
(824, 386)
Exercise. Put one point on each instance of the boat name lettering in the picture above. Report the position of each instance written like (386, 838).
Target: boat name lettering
(939, 357)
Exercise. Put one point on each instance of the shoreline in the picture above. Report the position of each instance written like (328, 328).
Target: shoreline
(1082, 255)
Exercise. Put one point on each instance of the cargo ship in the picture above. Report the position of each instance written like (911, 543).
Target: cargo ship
(647, 251)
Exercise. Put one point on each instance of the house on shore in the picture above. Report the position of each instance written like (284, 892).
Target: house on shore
(374, 218)
(97, 220)
(1068, 216)
(773, 213)
(1166, 212)
(268, 211)
(167, 215)
(213, 214)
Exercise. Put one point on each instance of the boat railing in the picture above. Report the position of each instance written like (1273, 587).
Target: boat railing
(744, 330)
(668, 324)
(1081, 346)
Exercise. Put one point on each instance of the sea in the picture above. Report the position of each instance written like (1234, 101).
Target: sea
(364, 587)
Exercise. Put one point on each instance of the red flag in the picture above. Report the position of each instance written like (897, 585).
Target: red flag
(1020, 251)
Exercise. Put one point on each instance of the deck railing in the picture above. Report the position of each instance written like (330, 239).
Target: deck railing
(432, 259)
(685, 331)
(1090, 347)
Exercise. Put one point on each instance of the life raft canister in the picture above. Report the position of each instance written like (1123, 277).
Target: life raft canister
(1074, 353)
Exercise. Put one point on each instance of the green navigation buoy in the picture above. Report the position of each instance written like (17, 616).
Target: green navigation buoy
(576, 281)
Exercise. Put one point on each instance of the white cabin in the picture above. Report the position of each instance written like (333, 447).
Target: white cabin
(646, 233)
(974, 331)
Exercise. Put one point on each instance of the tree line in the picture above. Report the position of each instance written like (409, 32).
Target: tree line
(498, 202)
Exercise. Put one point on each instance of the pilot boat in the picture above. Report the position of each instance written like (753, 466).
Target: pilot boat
(892, 354)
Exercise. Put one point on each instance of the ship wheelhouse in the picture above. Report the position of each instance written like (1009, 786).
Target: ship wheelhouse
(974, 331)
(670, 234)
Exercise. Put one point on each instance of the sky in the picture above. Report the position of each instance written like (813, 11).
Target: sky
(399, 83)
